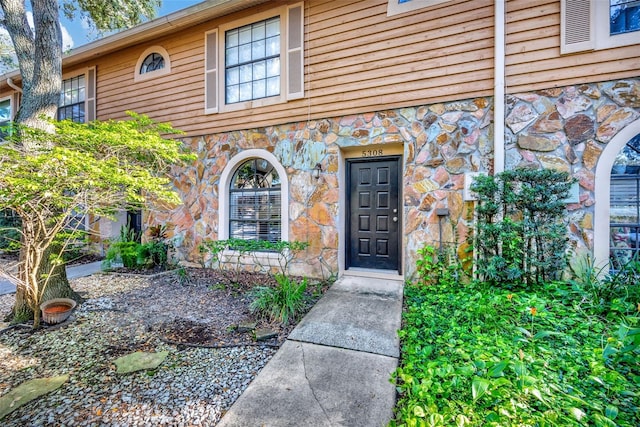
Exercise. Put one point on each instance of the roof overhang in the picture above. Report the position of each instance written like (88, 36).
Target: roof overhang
(147, 31)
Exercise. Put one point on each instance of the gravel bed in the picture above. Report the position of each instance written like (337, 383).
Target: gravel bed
(193, 386)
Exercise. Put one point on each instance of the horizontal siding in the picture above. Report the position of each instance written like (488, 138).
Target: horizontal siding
(357, 60)
(533, 59)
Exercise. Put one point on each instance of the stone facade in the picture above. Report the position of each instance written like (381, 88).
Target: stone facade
(562, 128)
(567, 129)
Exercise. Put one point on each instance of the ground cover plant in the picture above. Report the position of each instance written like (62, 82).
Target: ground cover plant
(527, 342)
(479, 355)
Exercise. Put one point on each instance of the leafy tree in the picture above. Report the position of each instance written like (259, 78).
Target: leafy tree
(39, 55)
(95, 169)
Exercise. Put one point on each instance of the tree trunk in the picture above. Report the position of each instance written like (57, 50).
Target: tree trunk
(57, 286)
(39, 56)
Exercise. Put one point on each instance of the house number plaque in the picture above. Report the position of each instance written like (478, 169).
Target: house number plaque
(372, 153)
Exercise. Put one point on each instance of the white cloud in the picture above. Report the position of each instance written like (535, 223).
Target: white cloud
(67, 40)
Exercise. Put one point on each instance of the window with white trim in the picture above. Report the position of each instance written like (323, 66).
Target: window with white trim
(598, 24)
(6, 116)
(153, 62)
(624, 206)
(396, 7)
(255, 61)
(255, 202)
(78, 99)
(252, 61)
(72, 100)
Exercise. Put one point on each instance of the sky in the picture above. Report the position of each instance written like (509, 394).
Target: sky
(76, 33)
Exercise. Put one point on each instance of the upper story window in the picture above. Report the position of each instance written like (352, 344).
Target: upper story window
(396, 7)
(598, 24)
(255, 61)
(153, 62)
(78, 97)
(72, 100)
(624, 16)
(252, 61)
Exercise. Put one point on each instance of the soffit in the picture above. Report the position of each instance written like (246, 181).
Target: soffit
(151, 30)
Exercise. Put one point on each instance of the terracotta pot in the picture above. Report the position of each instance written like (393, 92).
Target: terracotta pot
(57, 310)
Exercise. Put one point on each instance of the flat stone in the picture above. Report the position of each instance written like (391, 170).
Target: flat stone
(537, 143)
(591, 155)
(520, 117)
(28, 391)
(246, 327)
(579, 128)
(456, 165)
(426, 185)
(570, 105)
(614, 123)
(139, 361)
(555, 163)
(625, 93)
(263, 334)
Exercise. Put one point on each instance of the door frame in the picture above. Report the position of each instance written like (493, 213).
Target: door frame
(347, 208)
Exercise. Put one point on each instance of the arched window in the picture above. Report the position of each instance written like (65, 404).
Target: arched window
(255, 202)
(624, 207)
(152, 62)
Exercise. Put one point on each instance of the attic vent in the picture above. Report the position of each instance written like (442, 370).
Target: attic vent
(576, 26)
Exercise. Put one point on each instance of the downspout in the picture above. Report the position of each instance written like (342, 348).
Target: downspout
(13, 86)
(499, 87)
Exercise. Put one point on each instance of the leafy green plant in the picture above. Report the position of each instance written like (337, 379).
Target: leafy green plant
(9, 231)
(611, 294)
(213, 253)
(438, 267)
(520, 237)
(152, 255)
(281, 303)
(478, 355)
(125, 249)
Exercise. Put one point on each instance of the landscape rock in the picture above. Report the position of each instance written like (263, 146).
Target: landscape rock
(28, 391)
(139, 361)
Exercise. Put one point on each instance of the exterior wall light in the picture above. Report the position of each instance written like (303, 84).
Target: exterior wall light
(315, 172)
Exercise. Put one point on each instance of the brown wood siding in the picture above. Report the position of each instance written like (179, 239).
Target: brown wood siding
(356, 60)
(533, 59)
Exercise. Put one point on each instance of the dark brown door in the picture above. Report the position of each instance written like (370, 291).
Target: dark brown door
(373, 213)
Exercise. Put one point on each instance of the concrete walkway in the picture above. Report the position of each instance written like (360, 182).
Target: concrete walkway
(334, 368)
(6, 287)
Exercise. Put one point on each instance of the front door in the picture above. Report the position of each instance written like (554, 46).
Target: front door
(373, 213)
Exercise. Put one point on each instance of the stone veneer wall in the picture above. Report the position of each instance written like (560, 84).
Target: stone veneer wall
(567, 129)
(562, 128)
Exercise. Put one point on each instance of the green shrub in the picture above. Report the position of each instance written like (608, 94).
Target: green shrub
(281, 303)
(9, 231)
(520, 237)
(435, 267)
(153, 254)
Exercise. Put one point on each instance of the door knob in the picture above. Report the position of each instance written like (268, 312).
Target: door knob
(395, 219)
